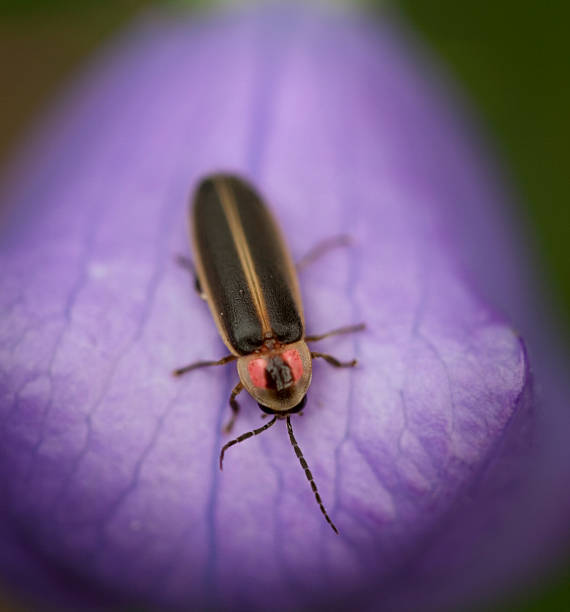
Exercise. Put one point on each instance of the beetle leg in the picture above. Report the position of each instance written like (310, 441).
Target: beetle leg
(234, 406)
(323, 247)
(198, 288)
(186, 263)
(333, 361)
(349, 329)
(203, 364)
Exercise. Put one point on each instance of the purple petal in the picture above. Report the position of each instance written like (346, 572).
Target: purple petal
(112, 491)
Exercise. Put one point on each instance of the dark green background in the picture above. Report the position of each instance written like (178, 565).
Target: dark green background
(511, 57)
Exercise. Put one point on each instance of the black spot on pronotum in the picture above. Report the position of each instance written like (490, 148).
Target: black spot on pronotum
(278, 374)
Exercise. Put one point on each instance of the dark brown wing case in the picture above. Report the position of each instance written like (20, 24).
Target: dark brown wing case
(244, 266)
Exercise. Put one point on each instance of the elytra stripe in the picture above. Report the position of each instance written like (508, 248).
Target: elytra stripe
(244, 254)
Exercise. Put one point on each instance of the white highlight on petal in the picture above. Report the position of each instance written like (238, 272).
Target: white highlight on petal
(98, 270)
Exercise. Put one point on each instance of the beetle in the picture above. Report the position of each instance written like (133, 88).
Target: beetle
(245, 273)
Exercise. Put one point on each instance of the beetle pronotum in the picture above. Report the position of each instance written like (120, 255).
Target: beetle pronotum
(246, 275)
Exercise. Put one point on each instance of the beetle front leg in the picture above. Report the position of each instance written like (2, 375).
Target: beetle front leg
(234, 406)
(333, 361)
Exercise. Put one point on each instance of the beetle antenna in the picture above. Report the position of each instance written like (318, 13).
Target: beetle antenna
(243, 437)
(308, 474)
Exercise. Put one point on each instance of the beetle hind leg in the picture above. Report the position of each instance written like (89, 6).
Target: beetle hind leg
(348, 329)
(322, 248)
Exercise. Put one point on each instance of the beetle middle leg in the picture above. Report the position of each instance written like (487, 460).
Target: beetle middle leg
(186, 263)
(203, 364)
(349, 329)
(234, 406)
(322, 248)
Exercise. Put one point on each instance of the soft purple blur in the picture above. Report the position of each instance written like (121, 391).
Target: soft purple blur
(110, 483)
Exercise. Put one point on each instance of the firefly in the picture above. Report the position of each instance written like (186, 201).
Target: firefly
(245, 273)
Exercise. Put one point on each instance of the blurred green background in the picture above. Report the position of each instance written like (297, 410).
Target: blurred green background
(510, 57)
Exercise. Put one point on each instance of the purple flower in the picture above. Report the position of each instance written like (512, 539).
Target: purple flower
(111, 492)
